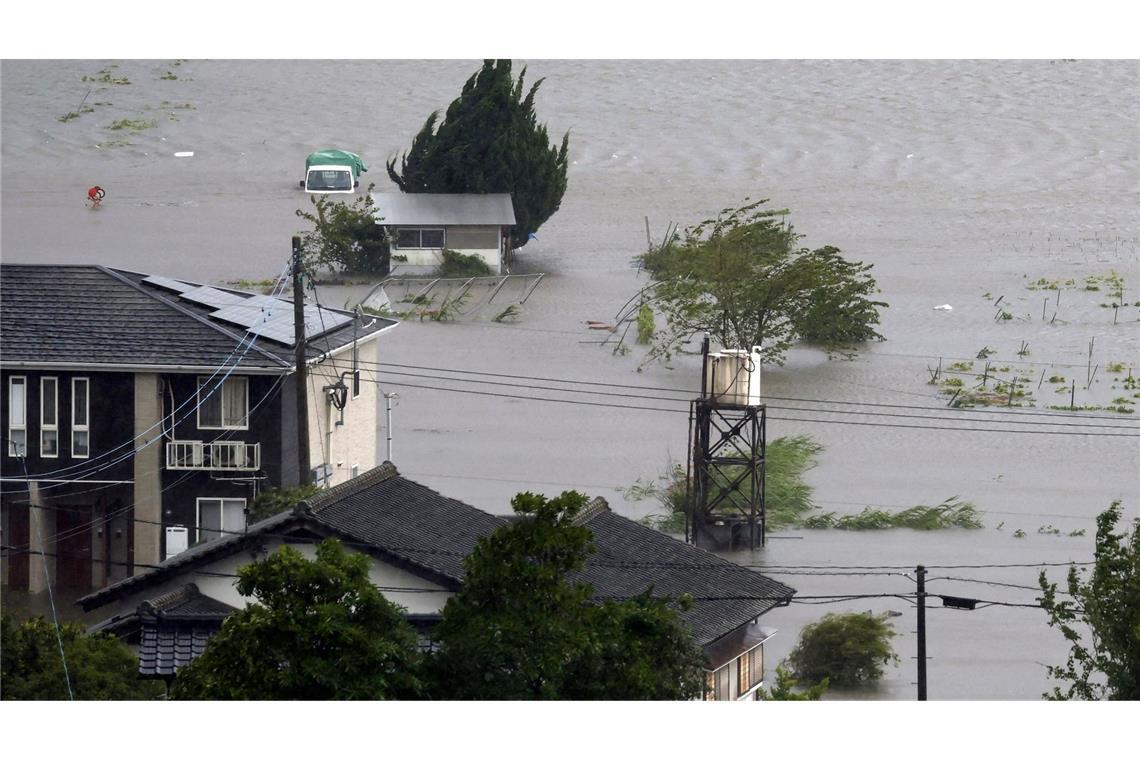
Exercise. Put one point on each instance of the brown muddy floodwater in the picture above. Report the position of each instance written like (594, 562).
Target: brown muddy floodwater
(960, 181)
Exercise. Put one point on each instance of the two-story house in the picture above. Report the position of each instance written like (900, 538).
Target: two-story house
(417, 539)
(141, 415)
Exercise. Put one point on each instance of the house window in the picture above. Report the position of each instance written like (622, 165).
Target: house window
(745, 673)
(17, 416)
(225, 407)
(218, 518)
(80, 413)
(49, 417)
(418, 237)
(724, 683)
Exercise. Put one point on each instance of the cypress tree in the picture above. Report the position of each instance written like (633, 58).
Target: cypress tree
(490, 141)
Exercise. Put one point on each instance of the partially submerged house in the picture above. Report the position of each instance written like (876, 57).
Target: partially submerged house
(417, 539)
(142, 414)
(420, 226)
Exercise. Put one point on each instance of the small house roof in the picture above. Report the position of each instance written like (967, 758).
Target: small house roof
(444, 209)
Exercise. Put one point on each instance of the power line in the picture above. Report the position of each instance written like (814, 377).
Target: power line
(692, 393)
(631, 407)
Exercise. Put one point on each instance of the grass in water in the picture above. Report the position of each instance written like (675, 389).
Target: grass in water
(789, 498)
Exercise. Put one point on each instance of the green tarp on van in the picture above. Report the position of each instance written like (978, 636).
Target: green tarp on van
(337, 158)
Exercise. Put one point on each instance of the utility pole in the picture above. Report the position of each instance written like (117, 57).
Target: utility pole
(306, 470)
(920, 576)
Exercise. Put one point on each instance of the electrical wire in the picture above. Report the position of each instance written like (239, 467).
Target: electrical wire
(957, 416)
(781, 418)
(692, 393)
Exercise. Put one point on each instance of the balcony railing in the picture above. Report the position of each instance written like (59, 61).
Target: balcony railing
(229, 456)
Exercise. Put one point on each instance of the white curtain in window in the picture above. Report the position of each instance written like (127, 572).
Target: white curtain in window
(235, 402)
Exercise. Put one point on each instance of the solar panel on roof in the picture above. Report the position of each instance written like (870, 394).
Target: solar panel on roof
(208, 296)
(167, 283)
(250, 313)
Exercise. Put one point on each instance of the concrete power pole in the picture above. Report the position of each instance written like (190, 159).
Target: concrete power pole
(306, 470)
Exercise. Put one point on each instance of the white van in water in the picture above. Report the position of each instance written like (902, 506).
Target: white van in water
(332, 171)
(329, 179)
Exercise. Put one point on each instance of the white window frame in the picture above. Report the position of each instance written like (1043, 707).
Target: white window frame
(221, 393)
(221, 514)
(420, 231)
(44, 426)
(86, 426)
(12, 426)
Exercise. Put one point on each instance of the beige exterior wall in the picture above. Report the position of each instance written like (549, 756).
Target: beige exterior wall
(215, 580)
(147, 470)
(481, 241)
(354, 442)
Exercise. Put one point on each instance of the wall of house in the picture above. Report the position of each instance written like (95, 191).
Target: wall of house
(484, 241)
(86, 499)
(342, 440)
(181, 489)
(217, 580)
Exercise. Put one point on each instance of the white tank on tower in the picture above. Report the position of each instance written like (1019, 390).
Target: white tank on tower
(732, 377)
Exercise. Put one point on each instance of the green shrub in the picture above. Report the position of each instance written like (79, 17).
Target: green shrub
(847, 649)
(457, 264)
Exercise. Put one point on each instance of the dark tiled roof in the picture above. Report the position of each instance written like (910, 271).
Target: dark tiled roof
(429, 533)
(93, 315)
(405, 520)
(164, 647)
(186, 603)
(631, 558)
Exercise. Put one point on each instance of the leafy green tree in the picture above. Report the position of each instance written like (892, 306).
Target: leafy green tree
(847, 649)
(741, 278)
(98, 666)
(490, 141)
(319, 630)
(1101, 619)
(520, 629)
(345, 236)
(784, 689)
(276, 500)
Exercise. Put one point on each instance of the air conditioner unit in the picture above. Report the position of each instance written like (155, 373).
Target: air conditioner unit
(732, 377)
(177, 540)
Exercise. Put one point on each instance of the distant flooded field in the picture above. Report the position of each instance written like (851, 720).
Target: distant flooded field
(1003, 187)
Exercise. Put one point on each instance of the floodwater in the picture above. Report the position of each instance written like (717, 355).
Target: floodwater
(960, 181)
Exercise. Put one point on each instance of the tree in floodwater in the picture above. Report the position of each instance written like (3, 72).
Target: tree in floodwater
(741, 278)
(1101, 617)
(345, 236)
(490, 141)
(846, 649)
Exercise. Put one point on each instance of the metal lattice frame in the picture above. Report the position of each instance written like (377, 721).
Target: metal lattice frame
(727, 464)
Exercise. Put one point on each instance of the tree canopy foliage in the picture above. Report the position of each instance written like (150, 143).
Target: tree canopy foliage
(784, 688)
(1100, 618)
(345, 236)
(741, 278)
(319, 630)
(846, 649)
(99, 666)
(490, 141)
(521, 629)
